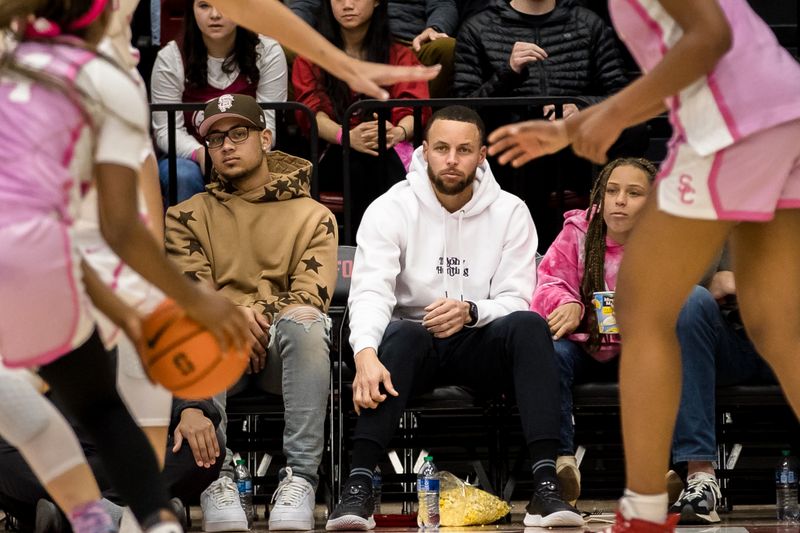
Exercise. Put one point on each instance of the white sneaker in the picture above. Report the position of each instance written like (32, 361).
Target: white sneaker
(294, 504)
(222, 510)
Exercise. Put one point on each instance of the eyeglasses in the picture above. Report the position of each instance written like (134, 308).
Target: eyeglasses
(237, 135)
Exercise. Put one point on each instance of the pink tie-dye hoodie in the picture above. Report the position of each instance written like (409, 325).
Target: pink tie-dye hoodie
(560, 273)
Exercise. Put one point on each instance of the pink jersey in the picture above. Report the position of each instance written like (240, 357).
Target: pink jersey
(41, 130)
(755, 86)
(44, 137)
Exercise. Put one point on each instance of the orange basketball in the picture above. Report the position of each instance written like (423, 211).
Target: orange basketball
(184, 357)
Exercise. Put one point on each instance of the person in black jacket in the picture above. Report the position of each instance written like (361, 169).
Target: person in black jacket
(427, 26)
(542, 48)
(537, 48)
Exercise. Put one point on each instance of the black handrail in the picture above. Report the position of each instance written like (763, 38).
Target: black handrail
(383, 107)
(171, 109)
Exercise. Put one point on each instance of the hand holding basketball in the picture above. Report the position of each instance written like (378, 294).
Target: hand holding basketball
(186, 358)
(221, 318)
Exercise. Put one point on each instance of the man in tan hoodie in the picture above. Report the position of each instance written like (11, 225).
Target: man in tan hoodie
(256, 236)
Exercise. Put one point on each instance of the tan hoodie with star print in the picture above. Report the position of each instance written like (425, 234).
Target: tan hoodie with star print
(265, 248)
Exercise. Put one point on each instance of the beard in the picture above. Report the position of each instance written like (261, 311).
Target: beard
(232, 176)
(450, 190)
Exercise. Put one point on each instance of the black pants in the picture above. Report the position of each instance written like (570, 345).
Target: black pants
(84, 384)
(512, 355)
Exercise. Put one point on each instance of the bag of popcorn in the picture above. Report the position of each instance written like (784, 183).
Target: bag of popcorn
(461, 504)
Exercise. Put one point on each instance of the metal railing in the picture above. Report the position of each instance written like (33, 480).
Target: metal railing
(172, 109)
(532, 106)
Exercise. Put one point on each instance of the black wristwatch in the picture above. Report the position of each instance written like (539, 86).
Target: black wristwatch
(473, 314)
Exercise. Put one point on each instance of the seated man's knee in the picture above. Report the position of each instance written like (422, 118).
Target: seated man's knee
(405, 338)
(700, 308)
(303, 315)
(528, 322)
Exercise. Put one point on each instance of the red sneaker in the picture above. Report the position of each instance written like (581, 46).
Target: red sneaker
(635, 525)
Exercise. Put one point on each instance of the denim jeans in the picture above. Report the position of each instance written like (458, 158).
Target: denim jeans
(575, 367)
(712, 353)
(190, 179)
(298, 368)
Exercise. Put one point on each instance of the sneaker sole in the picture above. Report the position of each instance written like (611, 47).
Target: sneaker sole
(350, 523)
(290, 525)
(230, 525)
(570, 485)
(689, 516)
(558, 519)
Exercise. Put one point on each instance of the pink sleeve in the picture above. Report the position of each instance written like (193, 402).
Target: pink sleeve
(559, 274)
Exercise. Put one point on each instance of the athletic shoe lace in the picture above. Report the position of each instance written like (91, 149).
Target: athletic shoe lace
(290, 491)
(697, 487)
(225, 492)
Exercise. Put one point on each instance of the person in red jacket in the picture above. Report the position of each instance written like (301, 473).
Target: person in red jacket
(361, 29)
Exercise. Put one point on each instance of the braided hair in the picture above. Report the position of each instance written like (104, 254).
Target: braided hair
(594, 252)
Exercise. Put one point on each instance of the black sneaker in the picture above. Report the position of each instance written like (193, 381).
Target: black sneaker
(177, 507)
(355, 507)
(50, 519)
(697, 504)
(548, 509)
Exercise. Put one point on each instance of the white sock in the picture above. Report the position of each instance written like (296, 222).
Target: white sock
(166, 527)
(701, 475)
(128, 523)
(650, 507)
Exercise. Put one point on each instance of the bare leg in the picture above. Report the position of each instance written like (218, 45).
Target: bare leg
(74, 488)
(767, 271)
(664, 258)
(157, 436)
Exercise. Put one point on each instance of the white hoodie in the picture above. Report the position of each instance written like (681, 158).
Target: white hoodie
(490, 245)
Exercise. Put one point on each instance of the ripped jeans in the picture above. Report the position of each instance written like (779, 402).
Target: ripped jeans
(298, 368)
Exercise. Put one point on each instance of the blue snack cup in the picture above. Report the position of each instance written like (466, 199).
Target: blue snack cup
(604, 308)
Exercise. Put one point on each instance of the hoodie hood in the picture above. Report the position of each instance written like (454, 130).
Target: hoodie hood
(485, 188)
(290, 177)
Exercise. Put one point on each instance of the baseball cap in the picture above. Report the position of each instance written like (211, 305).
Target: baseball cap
(232, 105)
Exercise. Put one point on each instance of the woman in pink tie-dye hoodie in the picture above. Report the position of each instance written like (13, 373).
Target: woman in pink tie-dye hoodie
(585, 258)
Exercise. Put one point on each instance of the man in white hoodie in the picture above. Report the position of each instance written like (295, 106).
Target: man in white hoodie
(442, 282)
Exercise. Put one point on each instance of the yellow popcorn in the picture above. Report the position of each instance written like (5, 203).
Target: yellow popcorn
(464, 505)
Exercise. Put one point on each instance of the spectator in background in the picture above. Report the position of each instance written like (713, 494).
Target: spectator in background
(541, 48)
(537, 48)
(427, 26)
(215, 58)
(361, 29)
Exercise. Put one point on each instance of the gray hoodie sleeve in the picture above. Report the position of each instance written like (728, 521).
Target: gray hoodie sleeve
(442, 14)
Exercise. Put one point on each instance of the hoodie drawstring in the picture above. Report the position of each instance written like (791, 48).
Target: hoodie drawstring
(444, 259)
(461, 273)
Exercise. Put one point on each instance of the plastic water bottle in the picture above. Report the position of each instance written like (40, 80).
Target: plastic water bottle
(786, 489)
(244, 482)
(377, 487)
(428, 495)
